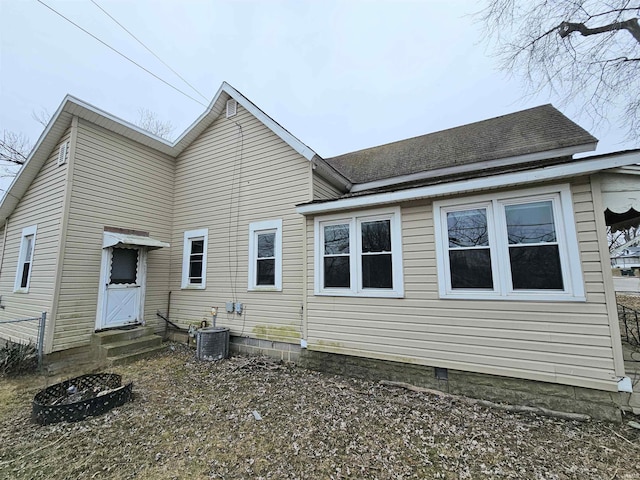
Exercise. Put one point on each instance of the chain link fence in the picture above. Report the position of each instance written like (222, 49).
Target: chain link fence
(42, 320)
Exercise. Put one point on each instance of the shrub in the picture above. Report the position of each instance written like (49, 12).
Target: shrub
(17, 358)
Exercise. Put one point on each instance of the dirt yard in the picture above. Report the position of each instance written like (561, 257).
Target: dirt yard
(253, 418)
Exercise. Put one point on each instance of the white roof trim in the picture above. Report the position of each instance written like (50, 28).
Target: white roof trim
(72, 106)
(577, 167)
(293, 142)
(501, 162)
(112, 239)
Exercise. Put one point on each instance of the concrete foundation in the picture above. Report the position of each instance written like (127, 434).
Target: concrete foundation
(287, 352)
(598, 404)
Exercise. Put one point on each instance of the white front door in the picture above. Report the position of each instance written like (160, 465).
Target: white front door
(120, 302)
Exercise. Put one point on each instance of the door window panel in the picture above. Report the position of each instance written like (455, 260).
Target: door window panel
(124, 266)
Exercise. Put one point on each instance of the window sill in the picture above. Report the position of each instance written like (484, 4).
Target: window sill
(21, 290)
(364, 293)
(264, 289)
(522, 297)
(193, 287)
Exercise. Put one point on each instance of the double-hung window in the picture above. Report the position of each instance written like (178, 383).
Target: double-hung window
(359, 254)
(265, 255)
(194, 259)
(25, 260)
(507, 246)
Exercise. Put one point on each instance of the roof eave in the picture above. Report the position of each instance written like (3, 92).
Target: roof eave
(479, 166)
(330, 174)
(72, 106)
(584, 166)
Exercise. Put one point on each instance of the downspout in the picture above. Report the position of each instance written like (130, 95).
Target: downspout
(305, 269)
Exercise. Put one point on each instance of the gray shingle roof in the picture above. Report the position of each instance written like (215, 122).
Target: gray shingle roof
(529, 131)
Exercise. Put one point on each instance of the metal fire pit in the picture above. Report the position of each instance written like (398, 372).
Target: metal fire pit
(80, 397)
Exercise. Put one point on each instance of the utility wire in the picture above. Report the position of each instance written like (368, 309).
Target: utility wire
(148, 49)
(122, 54)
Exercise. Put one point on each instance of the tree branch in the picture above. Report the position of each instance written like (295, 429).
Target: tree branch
(567, 28)
(11, 153)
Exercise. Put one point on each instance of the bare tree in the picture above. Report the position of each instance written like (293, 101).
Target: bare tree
(621, 236)
(42, 117)
(14, 151)
(586, 51)
(149, 121)
(14, 148)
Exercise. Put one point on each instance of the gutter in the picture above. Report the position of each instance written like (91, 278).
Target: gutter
(329, 173)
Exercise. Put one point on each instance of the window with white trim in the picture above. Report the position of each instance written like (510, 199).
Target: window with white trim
(25, 259)
(194, 259)
(265, 255)
(509, 246)
(359, 254)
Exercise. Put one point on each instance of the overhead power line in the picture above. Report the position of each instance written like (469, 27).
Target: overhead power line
(147, 48)
(122, 54)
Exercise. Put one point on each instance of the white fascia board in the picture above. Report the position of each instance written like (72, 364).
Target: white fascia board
(112, 120)
(577, 167)
(202, 116)
(32, 165)
(287, 137)
(331, 174)
(479, 166)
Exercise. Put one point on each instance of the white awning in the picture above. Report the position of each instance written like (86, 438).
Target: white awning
(621, 189)
(113, 239)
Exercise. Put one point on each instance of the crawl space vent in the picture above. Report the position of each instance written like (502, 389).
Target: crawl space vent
(232, 108)
(62, 153)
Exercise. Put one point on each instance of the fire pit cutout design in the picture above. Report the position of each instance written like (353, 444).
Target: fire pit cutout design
(80, 397)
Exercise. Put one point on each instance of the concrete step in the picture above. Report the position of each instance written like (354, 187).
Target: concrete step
(112, 336)
(128, 358)
(114, 349)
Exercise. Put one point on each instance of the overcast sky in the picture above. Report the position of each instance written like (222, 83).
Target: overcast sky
(339, 75)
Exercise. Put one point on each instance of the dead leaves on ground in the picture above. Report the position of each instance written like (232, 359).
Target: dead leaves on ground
(192, 419)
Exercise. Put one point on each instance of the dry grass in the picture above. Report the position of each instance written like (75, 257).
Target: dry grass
(629, 301)
(195, 420)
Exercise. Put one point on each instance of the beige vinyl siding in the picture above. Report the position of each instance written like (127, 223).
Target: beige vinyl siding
(323, 190)
(116, 183)
(224, 182)
(562, 342)
(41, 206)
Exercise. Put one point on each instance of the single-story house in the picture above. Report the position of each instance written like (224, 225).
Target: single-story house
(473, 260)
(627, 258)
